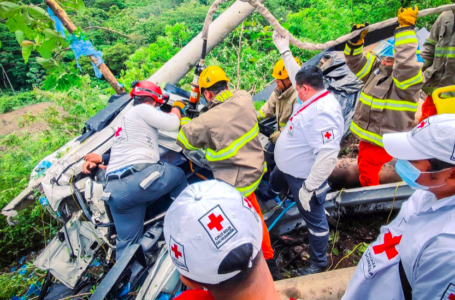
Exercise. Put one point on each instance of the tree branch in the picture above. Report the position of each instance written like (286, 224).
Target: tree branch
(108, 29)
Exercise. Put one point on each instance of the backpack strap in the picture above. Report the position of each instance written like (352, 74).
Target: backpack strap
(405, 285)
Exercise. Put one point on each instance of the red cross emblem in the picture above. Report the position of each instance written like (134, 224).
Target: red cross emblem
(117, 133)
(327, 135)
(215, 222)
(176, 251)
(248, 202)
(389, 246)
(421, 126)
(451, 297)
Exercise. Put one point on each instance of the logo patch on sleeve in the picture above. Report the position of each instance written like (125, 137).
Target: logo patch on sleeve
(248, 205)
(449, 293)
(177, 252)
(424, 124)
(218, 226)
(327, 136)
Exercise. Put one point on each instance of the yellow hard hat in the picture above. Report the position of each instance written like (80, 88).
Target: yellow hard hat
(280, 72)
(211, 75)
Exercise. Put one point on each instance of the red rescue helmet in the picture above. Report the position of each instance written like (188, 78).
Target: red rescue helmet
(148, 89)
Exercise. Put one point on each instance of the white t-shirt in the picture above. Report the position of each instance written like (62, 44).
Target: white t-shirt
(136, 140)
(318, 126)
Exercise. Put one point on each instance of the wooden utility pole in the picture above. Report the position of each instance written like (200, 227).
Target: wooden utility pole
(60, 13)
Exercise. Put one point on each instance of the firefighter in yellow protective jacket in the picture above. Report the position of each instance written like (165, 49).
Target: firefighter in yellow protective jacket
(388, 102)
(439, 56)
(229, 133)
(282, 100)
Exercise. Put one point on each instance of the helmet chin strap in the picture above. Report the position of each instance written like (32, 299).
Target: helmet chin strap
(285, 87)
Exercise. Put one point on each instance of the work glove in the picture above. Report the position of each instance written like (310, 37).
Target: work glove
(274, 136)
(407, 16)
(305, 197)
(358, 40)
(180, 105)
(281, 42)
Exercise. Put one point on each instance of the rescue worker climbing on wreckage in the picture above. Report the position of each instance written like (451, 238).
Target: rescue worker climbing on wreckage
(307, 150)
(388, 102)
(439, 57)
(280, 104)
(228, 131)
(135, 176)
(414, 257)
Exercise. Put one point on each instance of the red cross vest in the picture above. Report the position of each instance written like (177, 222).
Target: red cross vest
(377, 275)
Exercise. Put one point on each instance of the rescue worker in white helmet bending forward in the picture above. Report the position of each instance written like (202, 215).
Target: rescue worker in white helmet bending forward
(414, 256)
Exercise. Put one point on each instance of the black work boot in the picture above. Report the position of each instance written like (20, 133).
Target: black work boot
(274, 270)
(312, 269)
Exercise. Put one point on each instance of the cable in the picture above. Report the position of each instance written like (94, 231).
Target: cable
(393, 201)
(280, 216)
(346, 256)
(335, 237)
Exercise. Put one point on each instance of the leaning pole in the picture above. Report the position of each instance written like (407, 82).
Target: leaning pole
(181, 63)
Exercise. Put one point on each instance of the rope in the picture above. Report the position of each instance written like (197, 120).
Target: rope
(308, 46)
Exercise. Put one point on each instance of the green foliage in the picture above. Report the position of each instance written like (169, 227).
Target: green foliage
(116, 55)
(9, 102)
(146, 60)
(62, 77)
(15, 284)
(259, 104)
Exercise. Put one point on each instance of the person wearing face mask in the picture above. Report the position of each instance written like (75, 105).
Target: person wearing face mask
(388, 102)
(414, 255)
(307, 150)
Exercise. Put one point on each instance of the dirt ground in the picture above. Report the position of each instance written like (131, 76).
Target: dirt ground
(11, 121)
(292, 250)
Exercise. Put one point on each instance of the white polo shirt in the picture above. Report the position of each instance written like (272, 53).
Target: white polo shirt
(422, 236)
(316, 124)
(136, 140)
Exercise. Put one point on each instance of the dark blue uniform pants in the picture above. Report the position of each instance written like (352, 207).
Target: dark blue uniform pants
(128, 200)
(316, 221)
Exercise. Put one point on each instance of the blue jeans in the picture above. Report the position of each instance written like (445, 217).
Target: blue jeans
(128, 200)
(316, 221)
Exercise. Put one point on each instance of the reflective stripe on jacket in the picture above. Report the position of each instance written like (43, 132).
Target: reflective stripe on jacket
(229, 133)
(280, 104)
(389, 99)
(439, 54)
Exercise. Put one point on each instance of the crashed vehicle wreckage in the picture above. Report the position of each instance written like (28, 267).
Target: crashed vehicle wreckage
(76, 199)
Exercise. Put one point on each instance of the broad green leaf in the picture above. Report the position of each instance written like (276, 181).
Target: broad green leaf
(8, 9)
(37, 12)
(45, 63)
(50, 33)
(335, 251)
(0, 44)
(26, 18)
(46, 48)
(20, 36)
(78, 5)
(27, 47)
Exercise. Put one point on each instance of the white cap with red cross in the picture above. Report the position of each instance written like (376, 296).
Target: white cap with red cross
(432, 138)
(205, 225)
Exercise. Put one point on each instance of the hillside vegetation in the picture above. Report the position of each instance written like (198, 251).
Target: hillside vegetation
(136, 37)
